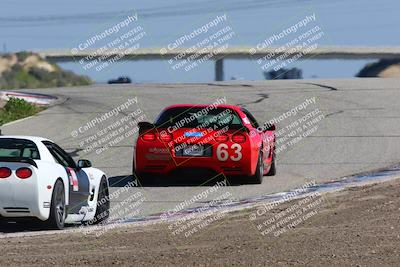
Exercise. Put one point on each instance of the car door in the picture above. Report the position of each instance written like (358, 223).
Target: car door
(79, 185)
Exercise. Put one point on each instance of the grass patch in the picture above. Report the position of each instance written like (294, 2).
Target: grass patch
(16, 109)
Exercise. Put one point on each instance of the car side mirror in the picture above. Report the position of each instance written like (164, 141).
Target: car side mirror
(270, 127)
(84, 163)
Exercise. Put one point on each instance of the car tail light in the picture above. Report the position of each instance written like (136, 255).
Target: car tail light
(238, 138)
(149, 137)
(4, 172)
(23, 173)
(222, 138)
(166, 137)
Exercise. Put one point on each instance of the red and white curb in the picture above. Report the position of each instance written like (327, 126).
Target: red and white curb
(34, 98)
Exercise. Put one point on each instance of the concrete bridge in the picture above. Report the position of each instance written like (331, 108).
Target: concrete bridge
(218, 54)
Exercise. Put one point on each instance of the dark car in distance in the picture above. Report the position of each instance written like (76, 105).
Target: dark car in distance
(122, 79)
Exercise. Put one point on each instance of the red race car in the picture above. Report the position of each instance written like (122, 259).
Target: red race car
(190, 138)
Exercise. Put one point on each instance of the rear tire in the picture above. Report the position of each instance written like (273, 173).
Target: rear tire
(257, 178)
(3, 223)
(146, 179)
(58, 213)
(103, 203)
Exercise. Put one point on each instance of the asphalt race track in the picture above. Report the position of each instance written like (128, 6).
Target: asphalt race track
(359, 131)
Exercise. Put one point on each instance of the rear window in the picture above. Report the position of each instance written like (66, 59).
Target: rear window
(204, 117)
(18, 148)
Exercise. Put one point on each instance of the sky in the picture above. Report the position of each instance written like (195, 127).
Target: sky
(40, 25)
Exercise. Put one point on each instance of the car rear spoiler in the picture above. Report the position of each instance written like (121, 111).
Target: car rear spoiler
(22, 160)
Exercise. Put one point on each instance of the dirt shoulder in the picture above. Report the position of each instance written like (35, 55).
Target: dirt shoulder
(358, 226)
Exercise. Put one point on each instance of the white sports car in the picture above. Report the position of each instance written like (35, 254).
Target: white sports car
(38, 179)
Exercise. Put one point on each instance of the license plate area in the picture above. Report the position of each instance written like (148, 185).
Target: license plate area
(193, 151)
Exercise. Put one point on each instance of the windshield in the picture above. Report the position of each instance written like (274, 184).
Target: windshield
(18, 148)
(204, 117)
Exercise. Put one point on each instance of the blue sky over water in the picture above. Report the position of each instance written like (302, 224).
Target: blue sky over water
(36, 25)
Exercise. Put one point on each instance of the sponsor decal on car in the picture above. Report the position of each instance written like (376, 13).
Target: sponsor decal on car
(156, 150)
(73, 179)
(157, 157)
(193, 134)
(246, 120)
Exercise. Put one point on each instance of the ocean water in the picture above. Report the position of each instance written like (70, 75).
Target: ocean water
(38, 25)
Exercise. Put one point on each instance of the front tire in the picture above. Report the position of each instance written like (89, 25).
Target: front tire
(103, 203)
(272, 169)
(257, 178)
(58, 213)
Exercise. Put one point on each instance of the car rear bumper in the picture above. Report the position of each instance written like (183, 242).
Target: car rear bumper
(193, 165)
(20, 199)
(21, 212)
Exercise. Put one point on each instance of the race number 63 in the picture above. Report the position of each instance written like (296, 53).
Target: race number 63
(223, 155)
